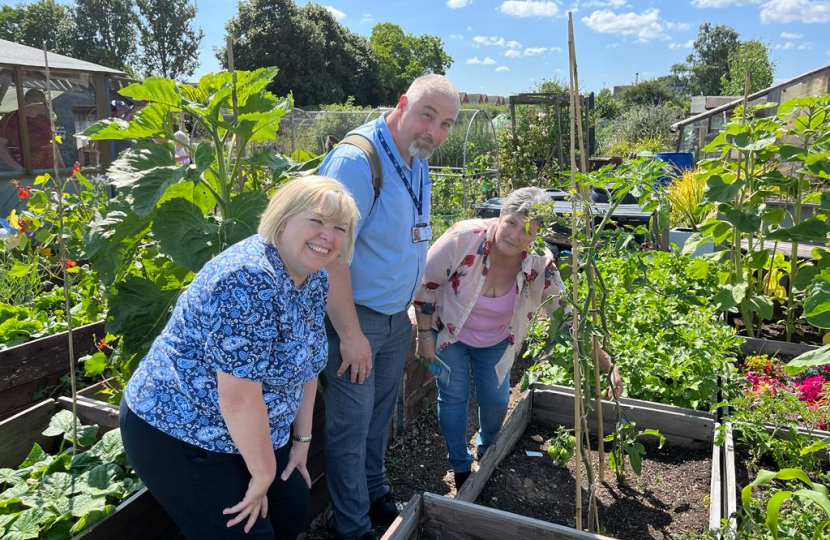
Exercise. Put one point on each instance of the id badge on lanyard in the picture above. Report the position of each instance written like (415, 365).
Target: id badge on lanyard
(422, 231)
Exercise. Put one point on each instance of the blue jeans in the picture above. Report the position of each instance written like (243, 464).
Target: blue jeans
(454, 398)
(358, 418)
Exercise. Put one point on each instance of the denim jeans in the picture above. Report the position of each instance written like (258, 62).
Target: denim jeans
(454, 398)
(358, 418)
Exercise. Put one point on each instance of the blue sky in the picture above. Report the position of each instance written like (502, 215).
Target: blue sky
(502, 46)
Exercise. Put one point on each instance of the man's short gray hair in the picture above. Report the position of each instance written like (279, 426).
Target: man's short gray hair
(523, 200)
(432, 84)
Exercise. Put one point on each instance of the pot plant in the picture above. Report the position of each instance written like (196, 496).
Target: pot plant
(689, 210)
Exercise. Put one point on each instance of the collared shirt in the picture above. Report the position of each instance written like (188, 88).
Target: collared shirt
(387, 265)
(242, 315)
(457, 265)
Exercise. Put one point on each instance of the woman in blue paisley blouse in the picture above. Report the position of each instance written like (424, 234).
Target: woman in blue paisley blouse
(206, 417)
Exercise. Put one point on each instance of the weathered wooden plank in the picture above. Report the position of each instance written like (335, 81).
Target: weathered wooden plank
(22, 397)
(730, 496)
(679, 426)
(92, 411)
(452, 519)
(716, 487)
(138, 518)
(774, 348)
(41, 357)
(502, 445)
(407, 525)
(19, 432)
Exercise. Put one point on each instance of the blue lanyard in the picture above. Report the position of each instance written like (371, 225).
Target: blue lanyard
(418, 201)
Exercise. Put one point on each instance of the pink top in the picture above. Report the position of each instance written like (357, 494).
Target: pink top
(489, 321)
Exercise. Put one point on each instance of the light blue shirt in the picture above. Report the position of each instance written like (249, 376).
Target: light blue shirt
(387, 265)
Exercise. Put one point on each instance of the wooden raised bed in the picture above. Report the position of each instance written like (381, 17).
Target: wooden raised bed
(138, 518)
(774, 347)
(552, 406)
(435, 517)
(30, 367)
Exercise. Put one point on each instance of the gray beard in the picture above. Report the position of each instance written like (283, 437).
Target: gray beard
(419, 152)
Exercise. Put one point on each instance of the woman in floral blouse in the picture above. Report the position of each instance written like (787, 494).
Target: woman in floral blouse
(480, 289)
(206, 418)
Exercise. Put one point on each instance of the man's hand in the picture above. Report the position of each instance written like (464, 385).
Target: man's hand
(357, 356)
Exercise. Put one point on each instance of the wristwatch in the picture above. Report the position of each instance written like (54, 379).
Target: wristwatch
(300, 438)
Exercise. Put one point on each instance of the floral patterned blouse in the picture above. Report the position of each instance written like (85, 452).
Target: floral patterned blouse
(457, 265)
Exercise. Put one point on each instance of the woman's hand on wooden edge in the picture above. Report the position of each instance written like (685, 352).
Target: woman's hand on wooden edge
(255, 503)
(297, 459)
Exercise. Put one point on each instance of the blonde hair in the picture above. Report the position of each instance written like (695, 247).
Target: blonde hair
(320, 194)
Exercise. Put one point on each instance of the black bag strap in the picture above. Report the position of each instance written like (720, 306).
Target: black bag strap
(368, 148)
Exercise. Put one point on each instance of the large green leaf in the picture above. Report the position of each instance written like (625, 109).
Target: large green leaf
(809, 230)
(730, 296)
(110, 449)
(91, 517)
(84, 503)
(745, 222)
(716, 229)
(156, 90)
(196, 193)
(817, 357)
(817, 301)
(110, 237)
(151, 122)
(101, 476)
(185, 234)
(143, 173)
(762, 305)
(138, 312)
(36, 456)
(243, 217)
(719, 191)
(24, 527)
(59, 484)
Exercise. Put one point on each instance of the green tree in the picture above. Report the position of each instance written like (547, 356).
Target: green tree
(404, 57)
(169, 39)
(319, 60)
(105, 32)
(34, 24)
(709, 60)
(752, 56)
(650, 92)
(605, 105)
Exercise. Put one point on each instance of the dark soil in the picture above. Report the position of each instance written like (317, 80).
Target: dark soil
(804, 333)
(416, 461)
(669, 500)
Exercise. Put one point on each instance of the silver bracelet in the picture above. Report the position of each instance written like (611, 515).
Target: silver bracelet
(301, 438)
(423, 339)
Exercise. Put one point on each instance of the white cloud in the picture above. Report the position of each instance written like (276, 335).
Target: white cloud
(528, 8)
(486, 62)
(367, 18)
(791, 35)
(606, 3)
(787, 11)
(723, 3)
(455, 4)
(336, 13)
(533, 51)
(469, 29)
(805, 46)
(784, 46)
(512, 53)
(612, 45)
(502, 68)
(456, 36)
(688, 45)
(646, 26)
(495, 41)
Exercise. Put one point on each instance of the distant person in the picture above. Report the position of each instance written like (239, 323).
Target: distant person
(182, 155)
(40, 135)
(207, 417)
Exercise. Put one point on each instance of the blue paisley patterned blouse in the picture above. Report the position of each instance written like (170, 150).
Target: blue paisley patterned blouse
(243, 315)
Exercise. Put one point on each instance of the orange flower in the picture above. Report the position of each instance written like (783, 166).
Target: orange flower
(70, 263)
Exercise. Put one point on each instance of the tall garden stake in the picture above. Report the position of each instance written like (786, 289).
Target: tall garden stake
(575, 281)
(589, 269)
(64, 258)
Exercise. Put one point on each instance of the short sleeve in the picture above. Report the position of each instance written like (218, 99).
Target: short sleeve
(242, 324)
(349, 165)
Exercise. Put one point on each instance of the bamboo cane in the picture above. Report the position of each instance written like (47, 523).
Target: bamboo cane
(575, 281)
(67, 302)
(589, 268)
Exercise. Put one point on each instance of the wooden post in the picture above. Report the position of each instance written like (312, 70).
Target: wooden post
(25, 149)
(575, 281)
(588, 233)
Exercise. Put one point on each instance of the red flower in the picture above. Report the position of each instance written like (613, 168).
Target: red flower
(22, 192)
(484, 271)
(511, 339)
(451, 328)
(547, 283)
(432, 286)
(444, 345)
(533, 275)
(101, 344)
(487, 247)
(77, 168)
(468, 260)
(455, 281)
(70, 263)
(23, 224)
